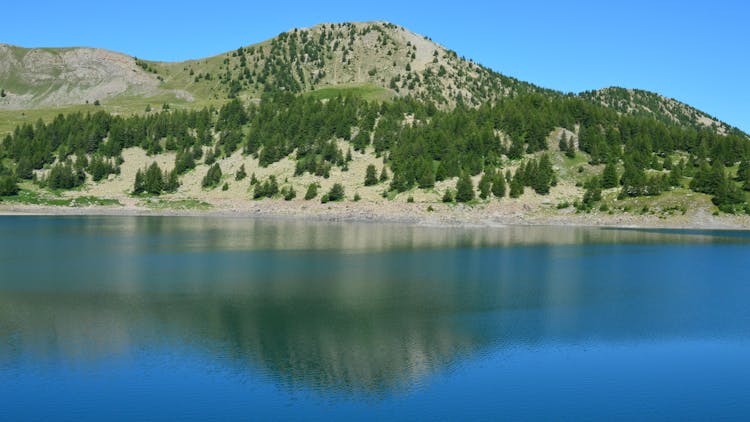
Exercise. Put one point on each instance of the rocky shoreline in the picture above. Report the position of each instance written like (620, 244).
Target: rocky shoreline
(484, 215)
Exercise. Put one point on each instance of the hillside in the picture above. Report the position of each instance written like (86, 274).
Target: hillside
(365, 113)
(377, 54)
(636, 102)
(376, 60)
(47, 77)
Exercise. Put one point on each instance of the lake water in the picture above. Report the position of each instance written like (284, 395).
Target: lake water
(163, 318)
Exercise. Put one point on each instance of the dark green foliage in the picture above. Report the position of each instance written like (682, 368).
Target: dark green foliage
(464, 189)
(570, 152)
(498, 185)
(743, 171)
(516, 185)
(183, 162)
(713, 180)
(609, 176)
(593, 193)
(335, 194)
(727, 196)
(24, 170)
(543, 177)
(371, 175)
(485, 185)
(139, 183)
(439, 143)
(8, 185)
(708, 179)
(425, 173)
(567, 146)
(384, 174)
(210, 157)
(212, 177)
(268, 189)
(675, 175)
(171, 181)
(633, 180)
(743, 174)
(448, 196)
(63, 176)
(241, 173)
(312, 191)
(100, 167)
(153, 181)
(288, 193)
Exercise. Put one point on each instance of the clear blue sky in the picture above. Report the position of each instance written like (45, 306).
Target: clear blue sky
(696, 52)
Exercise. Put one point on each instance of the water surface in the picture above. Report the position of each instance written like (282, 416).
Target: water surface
(193, 318)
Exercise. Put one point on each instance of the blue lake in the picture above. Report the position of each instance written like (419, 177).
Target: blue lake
(163, 318)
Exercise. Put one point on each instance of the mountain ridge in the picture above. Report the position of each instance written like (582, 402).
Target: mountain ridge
(382, 58)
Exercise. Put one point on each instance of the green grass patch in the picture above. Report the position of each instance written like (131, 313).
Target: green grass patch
(366, 92)
(32, 197)
(176, 204)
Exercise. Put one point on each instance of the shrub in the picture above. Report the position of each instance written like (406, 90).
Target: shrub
(312, 191)
(212, 177)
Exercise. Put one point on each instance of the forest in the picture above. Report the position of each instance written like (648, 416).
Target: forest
(418, 142)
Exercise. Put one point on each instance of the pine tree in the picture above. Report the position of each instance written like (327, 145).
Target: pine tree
(570, 152)
(171, 181)
(335, 194)
(485, 186)
(543, 176)
(371, 177)
(138, 185)
(312, 191)
(633, 179)
(212, 177)
(464, 188)
(425, 174)
(8, 185)
(384, 174)
(609, 176)
(743, 172)
(153, 180)
(516, 185)
(241, 173)
(498, 185)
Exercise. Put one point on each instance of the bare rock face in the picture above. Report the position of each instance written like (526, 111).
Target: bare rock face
(41, 77)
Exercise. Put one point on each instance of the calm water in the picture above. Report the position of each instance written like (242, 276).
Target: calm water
(162, 318)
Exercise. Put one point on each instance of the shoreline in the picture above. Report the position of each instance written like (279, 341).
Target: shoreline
(405, 214)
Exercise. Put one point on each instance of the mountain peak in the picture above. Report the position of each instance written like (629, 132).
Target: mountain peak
(377, 59)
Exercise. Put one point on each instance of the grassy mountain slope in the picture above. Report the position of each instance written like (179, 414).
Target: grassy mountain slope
(376, 60)
(247, 125)
(385, 59)
(47, 77)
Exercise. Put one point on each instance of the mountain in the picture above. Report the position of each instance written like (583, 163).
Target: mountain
(377, 60)
(49, 77)
(354, 112)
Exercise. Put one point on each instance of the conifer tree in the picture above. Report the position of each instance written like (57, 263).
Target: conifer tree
(609, 176)
(516, 185)
(498, 185)
(464, 188)
(485, 185)
(371, 176)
